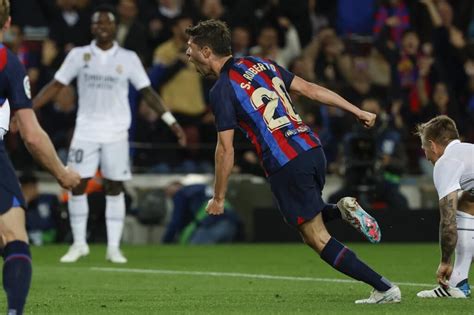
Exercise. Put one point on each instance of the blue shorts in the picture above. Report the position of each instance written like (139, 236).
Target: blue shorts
(297, 186)
(10, 191)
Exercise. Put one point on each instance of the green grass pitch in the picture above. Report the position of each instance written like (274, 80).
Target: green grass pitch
(230, 280)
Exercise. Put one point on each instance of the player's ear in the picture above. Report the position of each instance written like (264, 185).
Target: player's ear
(7, 24)
(206, 52)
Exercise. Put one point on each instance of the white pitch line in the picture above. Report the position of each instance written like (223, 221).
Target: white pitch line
(243, 275)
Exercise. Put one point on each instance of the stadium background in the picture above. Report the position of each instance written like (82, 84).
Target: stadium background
(353, 47)
(392, 57)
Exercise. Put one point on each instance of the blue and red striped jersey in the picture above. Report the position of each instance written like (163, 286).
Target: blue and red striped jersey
(252, 94)
(14, 83)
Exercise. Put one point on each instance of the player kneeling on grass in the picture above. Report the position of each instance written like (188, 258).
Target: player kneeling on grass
(253, 94)
(453, 177)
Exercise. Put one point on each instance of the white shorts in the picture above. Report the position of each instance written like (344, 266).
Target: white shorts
(85, 157)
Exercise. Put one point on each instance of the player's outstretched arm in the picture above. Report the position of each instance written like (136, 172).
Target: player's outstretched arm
(153, 100)
(328, 97)
(47, 93)
(40, 146)
(448, 235)
(224, 160)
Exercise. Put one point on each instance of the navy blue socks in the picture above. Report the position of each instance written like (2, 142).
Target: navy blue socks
(16, 275)
(344, 260)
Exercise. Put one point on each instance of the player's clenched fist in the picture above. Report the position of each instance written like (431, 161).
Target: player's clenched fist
(69, 179)
(215, 207)
(367, 118)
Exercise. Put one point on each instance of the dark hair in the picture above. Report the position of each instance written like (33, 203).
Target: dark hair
(4, 12)
(440, 129)
(212, 33)
(107, 9)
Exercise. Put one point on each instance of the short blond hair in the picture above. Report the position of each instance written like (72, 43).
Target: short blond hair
(4, 11)
(440, 129)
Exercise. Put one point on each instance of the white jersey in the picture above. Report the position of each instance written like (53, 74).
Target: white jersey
(103, 80)
(4, 118)
(454, 170)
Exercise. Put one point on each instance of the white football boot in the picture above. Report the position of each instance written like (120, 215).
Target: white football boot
(115, 256)
(441, 292)
(353, 213)
(74, 253)
(392, 295)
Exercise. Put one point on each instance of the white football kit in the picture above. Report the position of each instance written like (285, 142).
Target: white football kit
(103, 116)
(454, 171)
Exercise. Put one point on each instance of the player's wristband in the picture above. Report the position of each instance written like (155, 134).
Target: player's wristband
(168, 118)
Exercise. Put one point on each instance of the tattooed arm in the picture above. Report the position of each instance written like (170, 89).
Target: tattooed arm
(447, 227)
(448, 235)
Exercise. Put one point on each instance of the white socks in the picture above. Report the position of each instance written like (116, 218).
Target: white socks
(464, 248)
(114, 218)
(78, 213)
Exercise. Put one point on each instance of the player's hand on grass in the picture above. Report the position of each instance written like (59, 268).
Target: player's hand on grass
(69, 179)
(367, 118)
(444, 273)
(215, 207)
(179, 133)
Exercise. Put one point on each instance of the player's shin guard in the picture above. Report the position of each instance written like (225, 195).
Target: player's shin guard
(78, 213)
(16, 275)
(114, 216)
(344, 260)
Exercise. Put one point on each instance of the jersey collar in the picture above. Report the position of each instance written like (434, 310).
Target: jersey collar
(227, 65)
(451, 144)
(109, 52)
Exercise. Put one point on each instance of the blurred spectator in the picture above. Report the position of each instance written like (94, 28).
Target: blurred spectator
(13, 38)
(213, 9)
(50, 62)
(190, 224)
(394, 14)
(69, 26)
(150, 131)
(43, 214)
(406, 82)
(318, 21)
(330, 62)
(449, 45)
(161, 16)
(240, 41)
(442, 104)
(58, 120)
(171, 72)
(375, 160)
(131, 33)
(267, 43)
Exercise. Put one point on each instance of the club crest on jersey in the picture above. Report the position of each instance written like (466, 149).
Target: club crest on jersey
(119, 69)
(86, 57)
(27, 87)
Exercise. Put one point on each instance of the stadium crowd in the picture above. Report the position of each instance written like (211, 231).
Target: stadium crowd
(406, 60)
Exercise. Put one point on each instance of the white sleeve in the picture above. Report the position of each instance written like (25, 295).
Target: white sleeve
(447, 175)
(138, 76)
(70, 68)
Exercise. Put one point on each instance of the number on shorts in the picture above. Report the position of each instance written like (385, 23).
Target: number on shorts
(260, 95)
(75, 155)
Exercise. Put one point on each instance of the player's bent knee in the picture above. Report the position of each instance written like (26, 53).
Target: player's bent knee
(113, 188)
